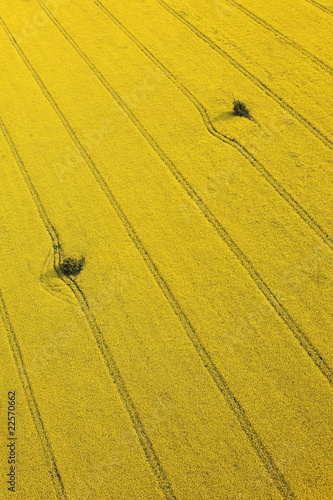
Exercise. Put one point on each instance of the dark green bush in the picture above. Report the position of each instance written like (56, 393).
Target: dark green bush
(240, 109)
(72, 267)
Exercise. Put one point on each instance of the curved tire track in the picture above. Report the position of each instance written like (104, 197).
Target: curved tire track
(32, 402)
(307, 218)
(112, 367)
(280, 310)
(237, 409)
(279, 100)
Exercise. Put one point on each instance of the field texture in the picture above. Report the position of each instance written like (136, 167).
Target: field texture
(192, 357)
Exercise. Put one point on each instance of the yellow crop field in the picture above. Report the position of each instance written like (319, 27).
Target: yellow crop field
(166, 231)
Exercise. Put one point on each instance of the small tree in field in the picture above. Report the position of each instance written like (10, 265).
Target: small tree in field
(240, 109)
(71, 267)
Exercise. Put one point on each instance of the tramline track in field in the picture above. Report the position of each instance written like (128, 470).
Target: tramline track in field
(281, 311)
(312, 223)
(113, 369)
(298, 116)
(31, 399)
(321, 64)
(237, 409)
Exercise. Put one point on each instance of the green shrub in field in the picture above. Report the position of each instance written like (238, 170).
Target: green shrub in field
(72, 267)
(240, 109)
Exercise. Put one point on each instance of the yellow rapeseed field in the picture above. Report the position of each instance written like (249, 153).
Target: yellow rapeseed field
(190, 357)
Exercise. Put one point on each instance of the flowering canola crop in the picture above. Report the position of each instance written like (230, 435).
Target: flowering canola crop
(166, 266)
